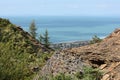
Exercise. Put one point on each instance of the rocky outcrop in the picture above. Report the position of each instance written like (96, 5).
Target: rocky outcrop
(63, 63)
(111, 71)
(104, 55)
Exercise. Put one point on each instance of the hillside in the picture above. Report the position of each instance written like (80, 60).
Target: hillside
(104, 55)
(21, 56)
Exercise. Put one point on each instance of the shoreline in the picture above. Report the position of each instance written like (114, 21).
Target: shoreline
(70, 41)
(69, 44)
(101, 37)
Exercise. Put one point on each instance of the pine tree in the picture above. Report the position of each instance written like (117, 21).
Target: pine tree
(95, 39)
(46, 39)
(33, 29)
(41, 38)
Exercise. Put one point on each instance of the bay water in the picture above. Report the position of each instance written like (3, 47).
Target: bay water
(69, 28)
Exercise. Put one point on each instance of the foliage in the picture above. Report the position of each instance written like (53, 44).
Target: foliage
(13, 64)
(41, 38)
(4, 22)
(18, 54)
(95, 39)
(45, 39)
(60, 76)
(89, 74)
(17, 65)
(33, 29)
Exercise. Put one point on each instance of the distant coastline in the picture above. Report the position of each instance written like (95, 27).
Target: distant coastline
(69, 28)
(69, 44)
(72, 44)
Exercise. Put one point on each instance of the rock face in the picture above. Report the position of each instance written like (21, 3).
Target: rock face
(104, 55)
(63, 63)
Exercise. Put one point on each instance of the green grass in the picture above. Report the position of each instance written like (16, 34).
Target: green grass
(88, 74)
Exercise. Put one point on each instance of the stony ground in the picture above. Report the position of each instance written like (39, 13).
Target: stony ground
(104, 55)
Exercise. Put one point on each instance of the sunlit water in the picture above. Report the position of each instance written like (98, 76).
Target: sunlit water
(63, 29)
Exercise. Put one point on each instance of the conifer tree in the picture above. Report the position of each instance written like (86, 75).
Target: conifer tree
(46, 39)
(41, 38)
(95, 39)
(33, 29)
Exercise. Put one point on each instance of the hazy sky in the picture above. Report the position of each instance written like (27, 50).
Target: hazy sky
(60, 7)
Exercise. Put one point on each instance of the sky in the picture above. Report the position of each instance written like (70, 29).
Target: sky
(59, 7)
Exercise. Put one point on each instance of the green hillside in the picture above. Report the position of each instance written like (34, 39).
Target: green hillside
(21, 56)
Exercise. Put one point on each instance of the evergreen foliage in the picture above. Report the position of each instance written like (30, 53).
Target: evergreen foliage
(19, 56)
(95, 39)
(33, 29)
(44, 39)
(4, 22)
(41, 38)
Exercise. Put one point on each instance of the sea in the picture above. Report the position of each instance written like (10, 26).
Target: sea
(68, 28)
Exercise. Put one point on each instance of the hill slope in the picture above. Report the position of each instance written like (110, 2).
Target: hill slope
(104, 55)
(21, 56)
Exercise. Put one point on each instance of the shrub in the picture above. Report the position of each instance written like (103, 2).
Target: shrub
(60, 76)
(13, 66)
(89, 74)
(4, 22)
(18, 54)
(95, 39)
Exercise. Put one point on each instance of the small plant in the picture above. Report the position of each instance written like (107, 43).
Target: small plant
(89, 74)
(95, 39)
(60, 76)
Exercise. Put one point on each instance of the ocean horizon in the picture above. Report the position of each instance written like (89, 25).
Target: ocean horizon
(69, 28)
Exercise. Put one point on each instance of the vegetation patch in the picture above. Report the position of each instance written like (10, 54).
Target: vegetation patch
(95, 39)
(21, 56)
(88, 73)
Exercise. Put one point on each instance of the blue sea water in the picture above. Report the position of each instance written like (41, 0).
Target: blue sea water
(69, 28)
